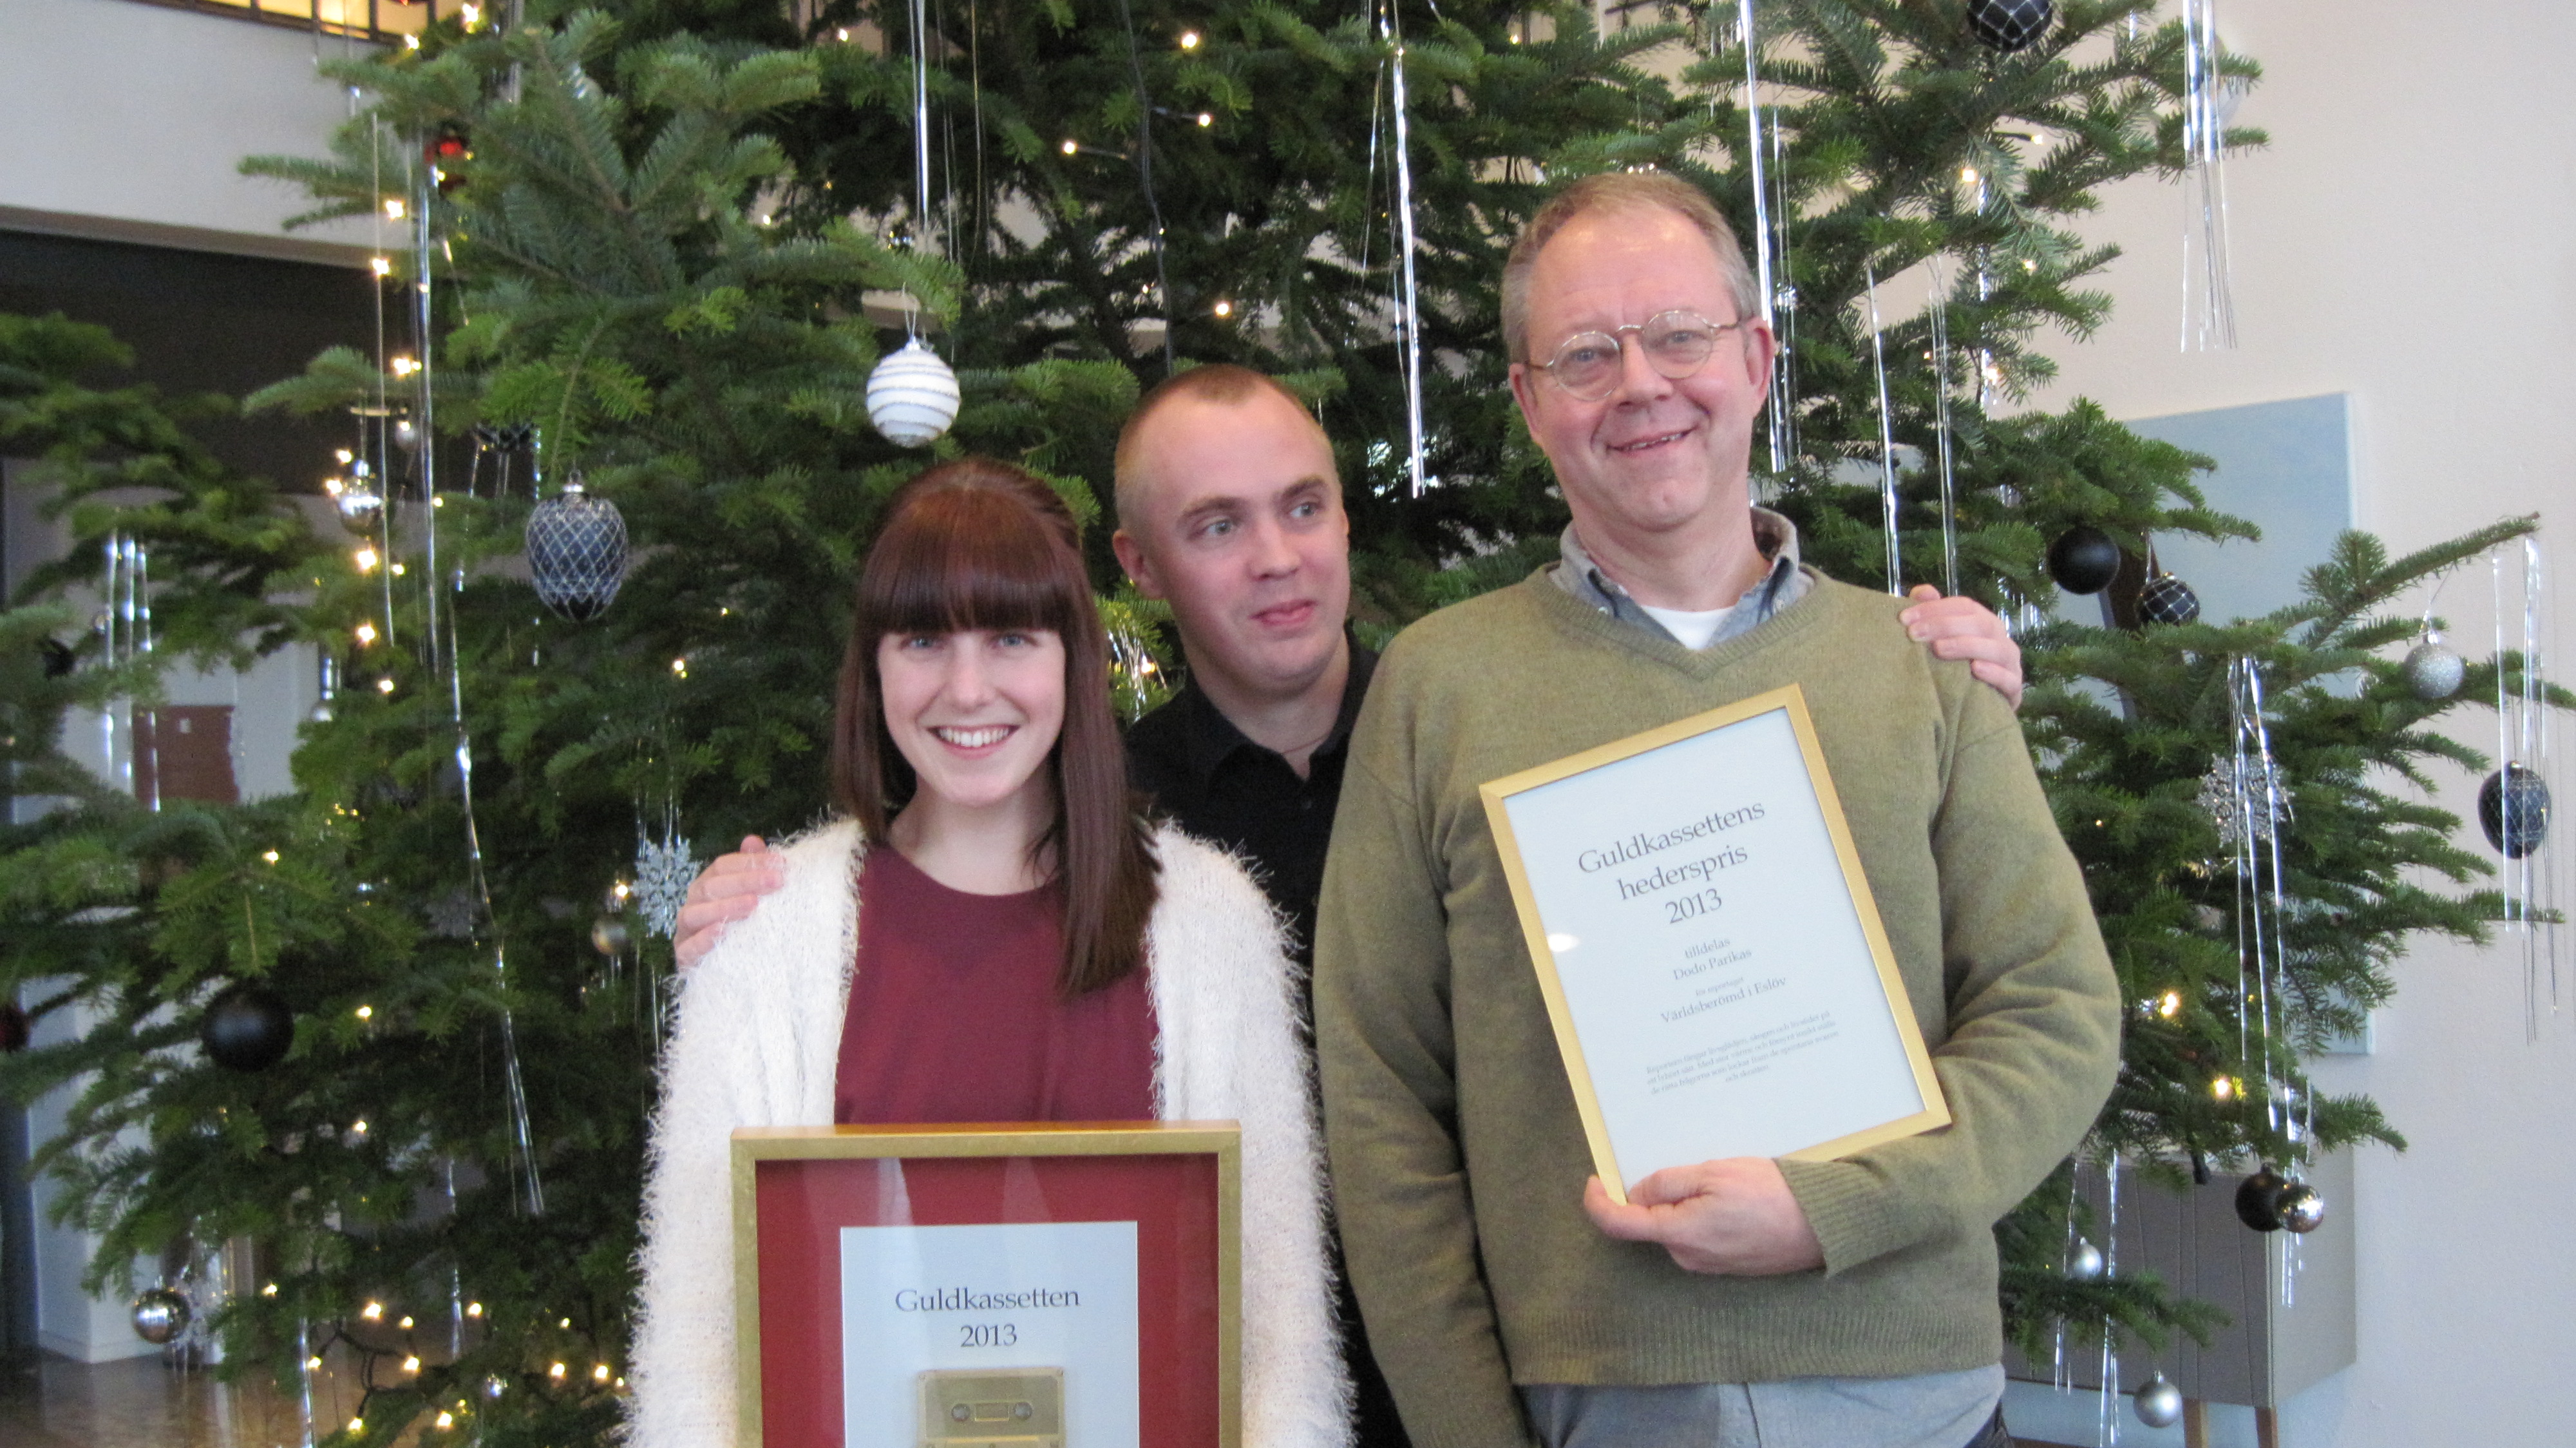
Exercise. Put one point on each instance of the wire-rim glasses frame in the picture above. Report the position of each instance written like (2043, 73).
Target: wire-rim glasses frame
(1678, 342)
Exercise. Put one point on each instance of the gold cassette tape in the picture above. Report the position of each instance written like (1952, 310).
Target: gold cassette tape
(983, 1408)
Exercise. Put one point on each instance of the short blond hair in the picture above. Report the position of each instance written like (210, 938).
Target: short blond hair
(1625, 192)
(1218, 382)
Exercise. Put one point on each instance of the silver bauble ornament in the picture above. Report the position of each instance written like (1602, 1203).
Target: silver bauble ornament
(2301, 1208)
(2085, 1263)
(577, 552)
(608, 935)
(2433, 669)
(406, 434)
(912, 396)
(360, 506)
(2159, 1402)
(160, 1315)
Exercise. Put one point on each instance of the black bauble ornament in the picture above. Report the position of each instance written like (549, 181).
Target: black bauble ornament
(60, 659)
(577, 552)
(247, 1028)
(2513, 808)
(2301, 1208)
(2008, 25)
(2083, 559)
(15, 1028)
(2258, 1200)
(2167, 599)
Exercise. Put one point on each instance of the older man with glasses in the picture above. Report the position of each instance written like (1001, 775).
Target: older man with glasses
(1844, 1304)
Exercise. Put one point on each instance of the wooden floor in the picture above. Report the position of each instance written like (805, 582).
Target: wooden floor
(53, 1402)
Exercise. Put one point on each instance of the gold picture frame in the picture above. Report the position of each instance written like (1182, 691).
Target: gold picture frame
(752, 1147)
(1496, 794)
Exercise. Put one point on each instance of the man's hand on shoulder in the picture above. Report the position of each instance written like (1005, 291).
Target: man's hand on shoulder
(1735, 1217)
(1962, 628)
(727, 890)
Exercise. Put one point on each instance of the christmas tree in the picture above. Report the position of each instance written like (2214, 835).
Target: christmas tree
(662, 248)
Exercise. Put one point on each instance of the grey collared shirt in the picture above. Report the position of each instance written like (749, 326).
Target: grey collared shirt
(1782, 586)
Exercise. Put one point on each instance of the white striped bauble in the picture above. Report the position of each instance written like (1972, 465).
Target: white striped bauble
(912, 396)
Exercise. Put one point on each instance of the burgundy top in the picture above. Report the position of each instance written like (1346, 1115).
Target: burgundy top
(955, 1016)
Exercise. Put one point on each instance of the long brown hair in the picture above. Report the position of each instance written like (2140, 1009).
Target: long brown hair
(979, 544)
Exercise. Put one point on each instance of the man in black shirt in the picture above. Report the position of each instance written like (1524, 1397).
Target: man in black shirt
(1229, 508)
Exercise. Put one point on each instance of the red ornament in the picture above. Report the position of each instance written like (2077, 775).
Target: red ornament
(447, 152)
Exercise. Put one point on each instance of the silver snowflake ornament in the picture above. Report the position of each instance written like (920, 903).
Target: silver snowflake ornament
(663, 870)
(2234, 804)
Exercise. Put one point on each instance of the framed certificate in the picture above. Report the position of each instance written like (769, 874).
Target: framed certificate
(1019, 1286)
(1713, 964)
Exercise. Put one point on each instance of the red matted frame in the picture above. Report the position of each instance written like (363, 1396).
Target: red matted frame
(795, 1188)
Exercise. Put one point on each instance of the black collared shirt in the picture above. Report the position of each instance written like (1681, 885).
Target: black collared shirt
(1222, 787)
(1227, 790)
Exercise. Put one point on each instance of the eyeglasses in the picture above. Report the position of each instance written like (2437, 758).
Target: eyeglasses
(1587, 365)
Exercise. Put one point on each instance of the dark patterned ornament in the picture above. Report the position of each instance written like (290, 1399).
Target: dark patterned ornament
(577, 552)
(2167, 599)
(2513, 808)
(2008, 25)
(2433, 669)
(247, 1028)
(160, 1315)
(2159, 1402)
(2258, 1200)
(2083, 559)
(2301, 1208)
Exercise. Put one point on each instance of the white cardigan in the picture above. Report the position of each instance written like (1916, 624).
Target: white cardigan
(758, 1041)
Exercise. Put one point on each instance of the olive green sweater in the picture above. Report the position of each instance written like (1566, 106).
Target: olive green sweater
(1458, 1160)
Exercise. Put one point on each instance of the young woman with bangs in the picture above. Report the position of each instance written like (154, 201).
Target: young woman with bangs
(993, 932)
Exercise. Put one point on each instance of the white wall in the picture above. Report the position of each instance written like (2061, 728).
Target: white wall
(131, 120)
(68, 1320)
(2410, 238)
